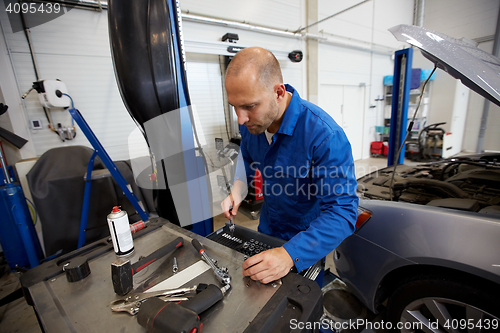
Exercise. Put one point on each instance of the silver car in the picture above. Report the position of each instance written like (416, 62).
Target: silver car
(428, 250)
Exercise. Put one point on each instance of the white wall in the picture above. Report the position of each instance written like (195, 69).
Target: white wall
(75, 49)
(362, 55)
(469, 19)
(279, 14)
(367, 23)
(474, 114)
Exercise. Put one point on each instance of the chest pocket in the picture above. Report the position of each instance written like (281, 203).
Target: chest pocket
(294, 178)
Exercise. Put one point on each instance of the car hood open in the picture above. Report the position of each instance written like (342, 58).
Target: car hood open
(477, 69)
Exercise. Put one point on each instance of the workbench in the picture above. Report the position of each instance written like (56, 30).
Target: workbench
(84, 306)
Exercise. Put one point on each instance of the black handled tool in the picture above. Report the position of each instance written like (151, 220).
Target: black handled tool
(122, 271)
(160, 317)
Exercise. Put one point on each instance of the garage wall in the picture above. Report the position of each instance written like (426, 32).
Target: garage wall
(356, 56)
(355, 51)
(75, 49)
(472, 20)
(279, 14)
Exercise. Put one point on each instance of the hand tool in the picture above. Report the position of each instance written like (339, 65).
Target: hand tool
(231, 222)
(157, 317)
(175, 268)
(122, 271)
(220, 273)
(132, 303)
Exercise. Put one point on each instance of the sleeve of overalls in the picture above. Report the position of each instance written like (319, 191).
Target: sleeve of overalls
(333, 173)
(243, 169)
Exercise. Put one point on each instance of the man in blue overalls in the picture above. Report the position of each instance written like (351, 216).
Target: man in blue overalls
(306, 164)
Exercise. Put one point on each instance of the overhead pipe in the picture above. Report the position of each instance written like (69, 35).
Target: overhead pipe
(239, 25)
(325, 40)
(94, 4)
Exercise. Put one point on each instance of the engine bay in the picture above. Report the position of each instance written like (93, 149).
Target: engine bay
(470, 183)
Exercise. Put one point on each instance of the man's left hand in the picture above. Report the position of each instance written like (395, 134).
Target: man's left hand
(268, 266)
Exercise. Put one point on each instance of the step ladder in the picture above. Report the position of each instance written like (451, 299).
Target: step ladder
(91, 174)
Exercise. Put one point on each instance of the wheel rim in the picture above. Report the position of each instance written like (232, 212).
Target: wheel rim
(446, 315)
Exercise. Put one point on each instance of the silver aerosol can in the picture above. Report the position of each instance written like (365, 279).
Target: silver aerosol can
(120, 232)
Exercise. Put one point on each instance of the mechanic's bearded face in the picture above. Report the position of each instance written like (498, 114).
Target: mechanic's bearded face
(253, 102)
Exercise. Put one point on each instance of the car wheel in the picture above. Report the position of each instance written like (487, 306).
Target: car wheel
(437, 304)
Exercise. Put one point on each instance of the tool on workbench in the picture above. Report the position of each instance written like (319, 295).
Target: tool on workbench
(122, 270)
(139, 225)
(133, 302)
(175, 267)
(157, 317)
(220, 273)
(231, 224)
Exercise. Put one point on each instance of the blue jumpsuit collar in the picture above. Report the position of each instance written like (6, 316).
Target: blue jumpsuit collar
(292, 113)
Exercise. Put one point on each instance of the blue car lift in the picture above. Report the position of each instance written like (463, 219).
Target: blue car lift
(401, 97)
(99, 150)
(201, 217)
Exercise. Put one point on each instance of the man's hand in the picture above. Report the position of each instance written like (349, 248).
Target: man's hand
(268, 266)
(234, 199)
(229, 203)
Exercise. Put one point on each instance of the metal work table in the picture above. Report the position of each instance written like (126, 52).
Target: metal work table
(84, 306)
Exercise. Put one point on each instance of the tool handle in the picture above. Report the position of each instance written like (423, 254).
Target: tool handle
(204, 300)
(197, 245)
(141, 264)
(160, 317)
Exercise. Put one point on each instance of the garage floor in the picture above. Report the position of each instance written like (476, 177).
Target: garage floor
(18, 316)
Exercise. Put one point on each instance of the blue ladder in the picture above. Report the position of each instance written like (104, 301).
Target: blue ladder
(99, 150)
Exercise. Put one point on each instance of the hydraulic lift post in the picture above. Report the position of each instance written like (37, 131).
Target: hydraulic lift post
(401, 96)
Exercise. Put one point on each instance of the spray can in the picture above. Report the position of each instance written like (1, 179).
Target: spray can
(120, 232)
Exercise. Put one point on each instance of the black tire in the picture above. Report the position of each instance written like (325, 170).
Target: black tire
(445, 304)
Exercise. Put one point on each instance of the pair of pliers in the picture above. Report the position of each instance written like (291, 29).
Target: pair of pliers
(132, 302)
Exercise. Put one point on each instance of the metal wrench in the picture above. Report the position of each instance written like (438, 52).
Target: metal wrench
(221, 273)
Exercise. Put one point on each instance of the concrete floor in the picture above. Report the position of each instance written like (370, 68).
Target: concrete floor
(18, 316)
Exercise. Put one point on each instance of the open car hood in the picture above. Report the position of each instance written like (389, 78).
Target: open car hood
(477, 69)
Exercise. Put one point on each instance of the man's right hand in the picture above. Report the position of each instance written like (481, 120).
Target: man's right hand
(227, 204)
(233, 200)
